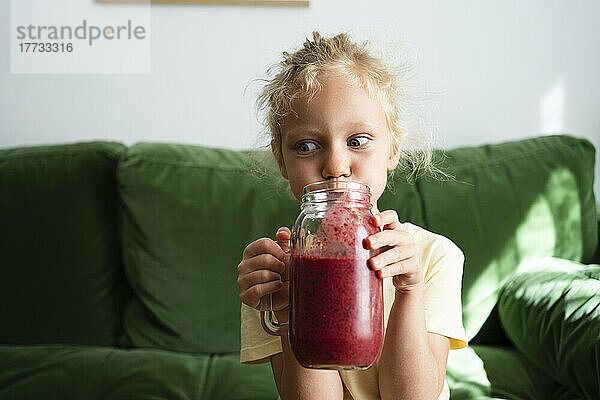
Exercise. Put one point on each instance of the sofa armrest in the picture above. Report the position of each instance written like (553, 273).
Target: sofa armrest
(551, 313)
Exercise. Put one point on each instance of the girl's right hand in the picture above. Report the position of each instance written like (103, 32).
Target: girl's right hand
(264, 270)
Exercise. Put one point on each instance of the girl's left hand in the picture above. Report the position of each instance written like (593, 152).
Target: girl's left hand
(401, 258)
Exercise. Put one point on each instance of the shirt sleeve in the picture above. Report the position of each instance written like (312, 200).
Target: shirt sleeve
(442, 263)
(256, 345)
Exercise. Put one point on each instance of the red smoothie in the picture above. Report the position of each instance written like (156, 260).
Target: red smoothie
(336, 300)
(337, 312)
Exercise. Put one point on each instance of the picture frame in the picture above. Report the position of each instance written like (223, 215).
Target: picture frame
(278, 3)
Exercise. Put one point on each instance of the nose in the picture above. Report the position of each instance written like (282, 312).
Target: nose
(335, 166)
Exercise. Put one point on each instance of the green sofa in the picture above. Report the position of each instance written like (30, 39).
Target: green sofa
(118, 277)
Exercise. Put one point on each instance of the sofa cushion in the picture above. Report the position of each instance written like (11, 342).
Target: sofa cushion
(61, 279)
(552, 315)
(65, 372)
(227, 379)
(188, 213)
(484, 372)
(509, 203)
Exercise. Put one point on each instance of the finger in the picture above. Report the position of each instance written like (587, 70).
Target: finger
(387, 219)
(393, 255)
(406, 267)
(259, 262)
(281, 299)
(261, 246)
(282, 237)
(257, 277)
(393, 237)
(265, 303)
(252, 295)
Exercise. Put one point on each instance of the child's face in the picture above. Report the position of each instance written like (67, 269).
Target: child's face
(341, 134)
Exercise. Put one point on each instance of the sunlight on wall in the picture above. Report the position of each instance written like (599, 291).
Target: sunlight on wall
(552, 108)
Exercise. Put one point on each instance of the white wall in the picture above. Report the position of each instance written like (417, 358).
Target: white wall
(507, 69)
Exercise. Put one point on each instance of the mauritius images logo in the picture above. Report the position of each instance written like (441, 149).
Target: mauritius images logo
(84, 32)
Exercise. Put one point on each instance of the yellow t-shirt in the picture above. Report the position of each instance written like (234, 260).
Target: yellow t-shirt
(442, 264)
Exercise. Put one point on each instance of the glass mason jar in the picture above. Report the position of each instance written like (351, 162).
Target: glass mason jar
(336, 300)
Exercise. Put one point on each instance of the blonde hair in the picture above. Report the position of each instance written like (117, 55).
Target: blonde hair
(297, 77)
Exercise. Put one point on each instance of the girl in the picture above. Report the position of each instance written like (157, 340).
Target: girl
(332, 116)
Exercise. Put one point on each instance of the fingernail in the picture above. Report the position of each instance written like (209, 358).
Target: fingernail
(372, 240)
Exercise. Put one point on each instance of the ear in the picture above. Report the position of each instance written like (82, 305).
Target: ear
(283, 170)
(279, 160)
(281, 165)
(394, 157)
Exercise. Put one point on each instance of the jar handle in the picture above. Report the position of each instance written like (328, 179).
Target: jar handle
(266, 308)
(266, 318)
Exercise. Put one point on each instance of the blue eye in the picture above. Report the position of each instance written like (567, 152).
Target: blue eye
(356, 141)
(304, 147)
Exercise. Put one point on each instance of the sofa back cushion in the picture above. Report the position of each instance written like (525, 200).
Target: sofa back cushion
(509, 203)
(61, 278)
(188, 213)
